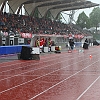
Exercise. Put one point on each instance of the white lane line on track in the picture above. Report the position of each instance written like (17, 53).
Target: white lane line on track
(31, 61)
(46, 75)
(34, 69)
(21, 62)
(25, 62)
(88, 88)
(28, 65)
(61, 81)
(38, 68)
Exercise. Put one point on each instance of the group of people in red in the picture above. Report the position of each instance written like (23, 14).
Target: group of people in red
(41, 43)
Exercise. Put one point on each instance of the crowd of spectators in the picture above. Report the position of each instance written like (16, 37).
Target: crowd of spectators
(15, 24)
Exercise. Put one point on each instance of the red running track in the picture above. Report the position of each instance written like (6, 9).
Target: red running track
(65, 76)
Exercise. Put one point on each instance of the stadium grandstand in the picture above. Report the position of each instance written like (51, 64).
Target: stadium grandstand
(29, 18)
(36, 62)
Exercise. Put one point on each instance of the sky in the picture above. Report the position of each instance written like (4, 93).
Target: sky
(77, 12)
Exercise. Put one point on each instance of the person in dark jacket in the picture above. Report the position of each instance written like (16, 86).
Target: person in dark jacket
(71, 43)
(86, 44)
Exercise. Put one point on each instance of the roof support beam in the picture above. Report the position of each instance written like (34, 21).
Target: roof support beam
(20, 7)
(11, 8)
(2, 7)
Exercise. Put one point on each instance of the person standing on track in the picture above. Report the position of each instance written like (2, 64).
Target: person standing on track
(71, 44)
(86, 44)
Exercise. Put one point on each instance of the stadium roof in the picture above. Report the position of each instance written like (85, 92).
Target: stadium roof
(52, 6)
